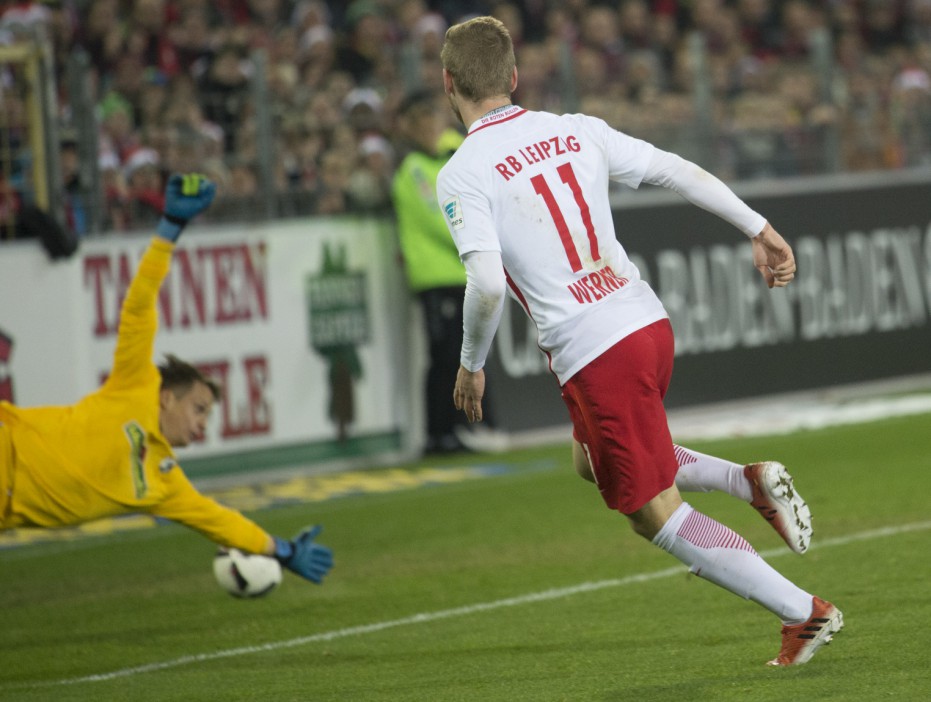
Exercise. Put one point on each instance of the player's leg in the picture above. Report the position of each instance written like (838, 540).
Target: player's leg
(699, 472)
(619, 422)
(767, 486)
(581, 463)
(718, 554)
(709, 548)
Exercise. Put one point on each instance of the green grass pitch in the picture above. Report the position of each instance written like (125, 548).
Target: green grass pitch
(518, 586)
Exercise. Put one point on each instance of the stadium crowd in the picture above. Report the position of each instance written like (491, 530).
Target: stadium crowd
(172, 81)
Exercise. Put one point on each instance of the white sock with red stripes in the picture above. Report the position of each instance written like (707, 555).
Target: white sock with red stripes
(699, 472)
(716, 553)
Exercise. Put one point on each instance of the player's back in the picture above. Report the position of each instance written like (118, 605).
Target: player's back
(535, 186)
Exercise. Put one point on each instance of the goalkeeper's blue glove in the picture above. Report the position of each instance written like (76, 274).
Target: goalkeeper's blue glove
(302, 556)
(186, 196)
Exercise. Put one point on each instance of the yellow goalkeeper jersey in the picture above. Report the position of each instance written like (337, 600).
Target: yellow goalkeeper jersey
(105, 455)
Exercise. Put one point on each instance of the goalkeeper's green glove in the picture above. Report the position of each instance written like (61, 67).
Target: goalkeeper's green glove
(186, 196)
(302, 556)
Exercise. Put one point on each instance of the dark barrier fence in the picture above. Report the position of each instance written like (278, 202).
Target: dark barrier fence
(859, 309)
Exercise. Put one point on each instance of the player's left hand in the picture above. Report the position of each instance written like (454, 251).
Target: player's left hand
(468, 393)
(186, 196)
(302, 556)
(773, 258)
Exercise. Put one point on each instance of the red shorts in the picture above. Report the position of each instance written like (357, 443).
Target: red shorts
(616, 406)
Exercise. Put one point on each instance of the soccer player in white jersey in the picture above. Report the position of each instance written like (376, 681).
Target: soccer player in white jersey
(526, 199)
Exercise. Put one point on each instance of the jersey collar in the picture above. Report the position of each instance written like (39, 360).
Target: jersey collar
(497, 116)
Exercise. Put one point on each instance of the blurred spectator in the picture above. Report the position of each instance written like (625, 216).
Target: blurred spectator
(757, 130)
(75, 203)
(364, 42)
(634, 23)
(512, 18)
(101, 35)
(369, 185)
(118, 136)
(148, 39)
(868, 141)
(316, 42)
(223, 90)
(664, 38)
(116, 216)
(24, 15)
(192, 36)
(175, 76)
(590, 75)
(362, 109)
(267, 18)
(910, 110)
(244, 183)
(808, 121)
(644, 75)
(537, 88)
(798, 19)
(152, 99)
(145, 189)
(601, 53)
(333, 184)
(9, 208)
(759, 26)
(918, 22)
(239, 197)
(420, 38)
(883, 24)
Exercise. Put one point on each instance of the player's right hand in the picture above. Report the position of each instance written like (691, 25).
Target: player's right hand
(468, 393)
(304, 557)
(186, 196)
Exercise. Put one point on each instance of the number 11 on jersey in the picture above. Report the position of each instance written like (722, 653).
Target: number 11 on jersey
(542, 188)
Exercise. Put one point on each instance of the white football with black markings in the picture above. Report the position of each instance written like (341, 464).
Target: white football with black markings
(246, 574)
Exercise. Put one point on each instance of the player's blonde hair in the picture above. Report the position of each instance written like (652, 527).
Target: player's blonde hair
(479, 55)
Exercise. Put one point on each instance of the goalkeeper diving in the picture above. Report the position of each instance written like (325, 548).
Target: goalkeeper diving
(112, 452)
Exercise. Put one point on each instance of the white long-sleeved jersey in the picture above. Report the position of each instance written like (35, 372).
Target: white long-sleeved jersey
(534, 187)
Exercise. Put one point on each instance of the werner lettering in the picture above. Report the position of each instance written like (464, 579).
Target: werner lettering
(596, 285)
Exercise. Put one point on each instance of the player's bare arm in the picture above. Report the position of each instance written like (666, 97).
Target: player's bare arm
(773, 257)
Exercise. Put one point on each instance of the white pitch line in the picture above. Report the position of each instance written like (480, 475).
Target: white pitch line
(426, 617)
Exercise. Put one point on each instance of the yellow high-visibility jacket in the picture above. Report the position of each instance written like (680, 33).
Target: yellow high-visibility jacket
(105, 455)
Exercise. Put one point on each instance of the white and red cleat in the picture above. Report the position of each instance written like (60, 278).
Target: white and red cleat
(801, 641)
(775, 497)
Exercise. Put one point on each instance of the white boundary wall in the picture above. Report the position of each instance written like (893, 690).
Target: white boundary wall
(237, 301)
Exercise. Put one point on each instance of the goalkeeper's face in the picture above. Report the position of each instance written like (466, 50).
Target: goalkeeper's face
(184, 413)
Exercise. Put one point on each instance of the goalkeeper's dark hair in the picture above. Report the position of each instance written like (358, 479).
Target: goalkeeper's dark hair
(179, 377)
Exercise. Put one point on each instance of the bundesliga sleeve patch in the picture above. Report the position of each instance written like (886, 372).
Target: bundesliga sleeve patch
(453, 209)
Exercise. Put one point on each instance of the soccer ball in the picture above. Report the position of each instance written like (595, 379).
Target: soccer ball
(246, 574)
